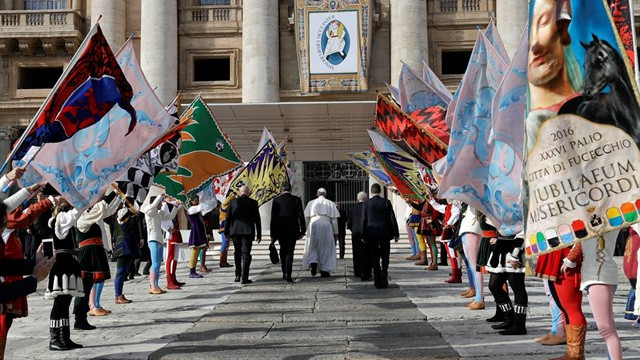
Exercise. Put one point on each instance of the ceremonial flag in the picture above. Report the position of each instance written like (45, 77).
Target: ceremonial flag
(469, 159)
(82, 167)
(493, 37)
(417, 140)
(90, 86)
(622, 14)
(415, 93)
(264, 174)
(432, 79)
(400, 168)
(205, 153)
(432, 119)
(266, 136)
(582, 167)
(395, 93)
(368, 162)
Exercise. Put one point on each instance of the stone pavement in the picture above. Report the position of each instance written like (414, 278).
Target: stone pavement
(418, 317)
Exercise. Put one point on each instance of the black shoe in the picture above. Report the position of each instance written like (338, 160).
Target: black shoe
(518, 322)
(66, 336)
(145, 273)
(498, 317)
(237, 279)
(56, 343)
(288, 279)
(508, 313)
(365, 278)
(314, 269)
(245, 282)
(83, 325)
(324, 274)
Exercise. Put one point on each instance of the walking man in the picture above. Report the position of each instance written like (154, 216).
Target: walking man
(243, 223)
(287, 226)
(379, 226)
(361, 262)
(320, 249)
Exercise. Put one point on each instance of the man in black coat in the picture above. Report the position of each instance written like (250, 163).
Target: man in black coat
(287, 226)
(379, 226)
(361, 262)
(243, 223)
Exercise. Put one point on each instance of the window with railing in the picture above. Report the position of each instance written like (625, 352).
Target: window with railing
(214, 2)
(45, 4)
(447, 6)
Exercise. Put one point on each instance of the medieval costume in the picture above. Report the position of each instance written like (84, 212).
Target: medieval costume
(321, 216)
(173, 236)
(65, 279)
(154, 215)
(125, 249)
(198, 237)
(428, 229)
(506, 263)
(471, 234)
(11, 249)
(94, 265)
(451, 214)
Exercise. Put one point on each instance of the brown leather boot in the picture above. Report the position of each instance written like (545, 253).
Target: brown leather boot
(433, 267)
(576, 336)
(223, 260)
(423, 258)
(413, 257)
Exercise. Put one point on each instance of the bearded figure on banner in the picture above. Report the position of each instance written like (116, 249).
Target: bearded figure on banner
(335, 43)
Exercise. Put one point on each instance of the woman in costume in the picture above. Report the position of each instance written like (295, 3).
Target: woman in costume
(451, 214)
(428, 229)
(471, 235)
(94, 265)
(506, 263)
(126, 249)
(173, 236)
(599, 279)
(65, 278)
(198, 236)
(154, 215)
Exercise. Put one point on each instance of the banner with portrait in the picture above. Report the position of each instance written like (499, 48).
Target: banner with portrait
(582, 128)
(333, 44)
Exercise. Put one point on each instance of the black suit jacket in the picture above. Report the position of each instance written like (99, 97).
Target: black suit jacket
(19, 288)
(378, 219)
(287, 218)
(355, 220)
(243, 217)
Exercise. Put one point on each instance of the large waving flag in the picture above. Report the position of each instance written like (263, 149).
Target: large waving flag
(471, 161)
(90, 86)
(415, 93)
(264, 174)
(493, 37)
(367, 161)
(205, 153)
(400, 168)
(418, 140)
(432, 79)
(82, 167)
(432, 119)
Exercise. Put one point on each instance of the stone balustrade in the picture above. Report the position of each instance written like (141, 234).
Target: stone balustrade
(28, 31)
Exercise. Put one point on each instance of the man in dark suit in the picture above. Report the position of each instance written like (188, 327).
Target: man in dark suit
(361, 262)
(243, 223)
(287, 226)
(379, 226)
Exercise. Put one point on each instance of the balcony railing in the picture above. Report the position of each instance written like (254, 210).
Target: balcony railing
(210, 14)
(452, 6)
(37, 21)
(32, 31)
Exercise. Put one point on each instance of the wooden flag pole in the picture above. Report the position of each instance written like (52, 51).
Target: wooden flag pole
(124, 199)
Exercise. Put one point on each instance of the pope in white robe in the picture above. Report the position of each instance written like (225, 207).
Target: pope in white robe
(320, 248)
(335, 40)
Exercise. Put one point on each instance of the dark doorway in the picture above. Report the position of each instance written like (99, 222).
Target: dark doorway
(343, 181)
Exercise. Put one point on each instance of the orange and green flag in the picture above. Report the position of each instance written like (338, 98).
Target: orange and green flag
(205, 153)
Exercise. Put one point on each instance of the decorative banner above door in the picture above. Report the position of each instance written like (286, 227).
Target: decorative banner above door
(333, 44)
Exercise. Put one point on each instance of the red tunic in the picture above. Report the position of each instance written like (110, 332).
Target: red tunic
(11, 248)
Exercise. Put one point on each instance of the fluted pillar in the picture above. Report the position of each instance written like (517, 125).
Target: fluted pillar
(511, 16)
(409, 41)
(159, 47)
(7, 4)
(113, 22)
(260, 52)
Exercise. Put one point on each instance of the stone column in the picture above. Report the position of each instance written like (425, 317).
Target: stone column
(8, 135)
(76, 4)
(260, 51)
(511, 16)
(113, 22)
(7, 4)
(409, 41)
(159, 47)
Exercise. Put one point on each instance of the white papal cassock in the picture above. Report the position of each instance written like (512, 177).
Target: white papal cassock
(322, 219)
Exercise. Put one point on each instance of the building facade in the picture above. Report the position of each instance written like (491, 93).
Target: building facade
(240, 56)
